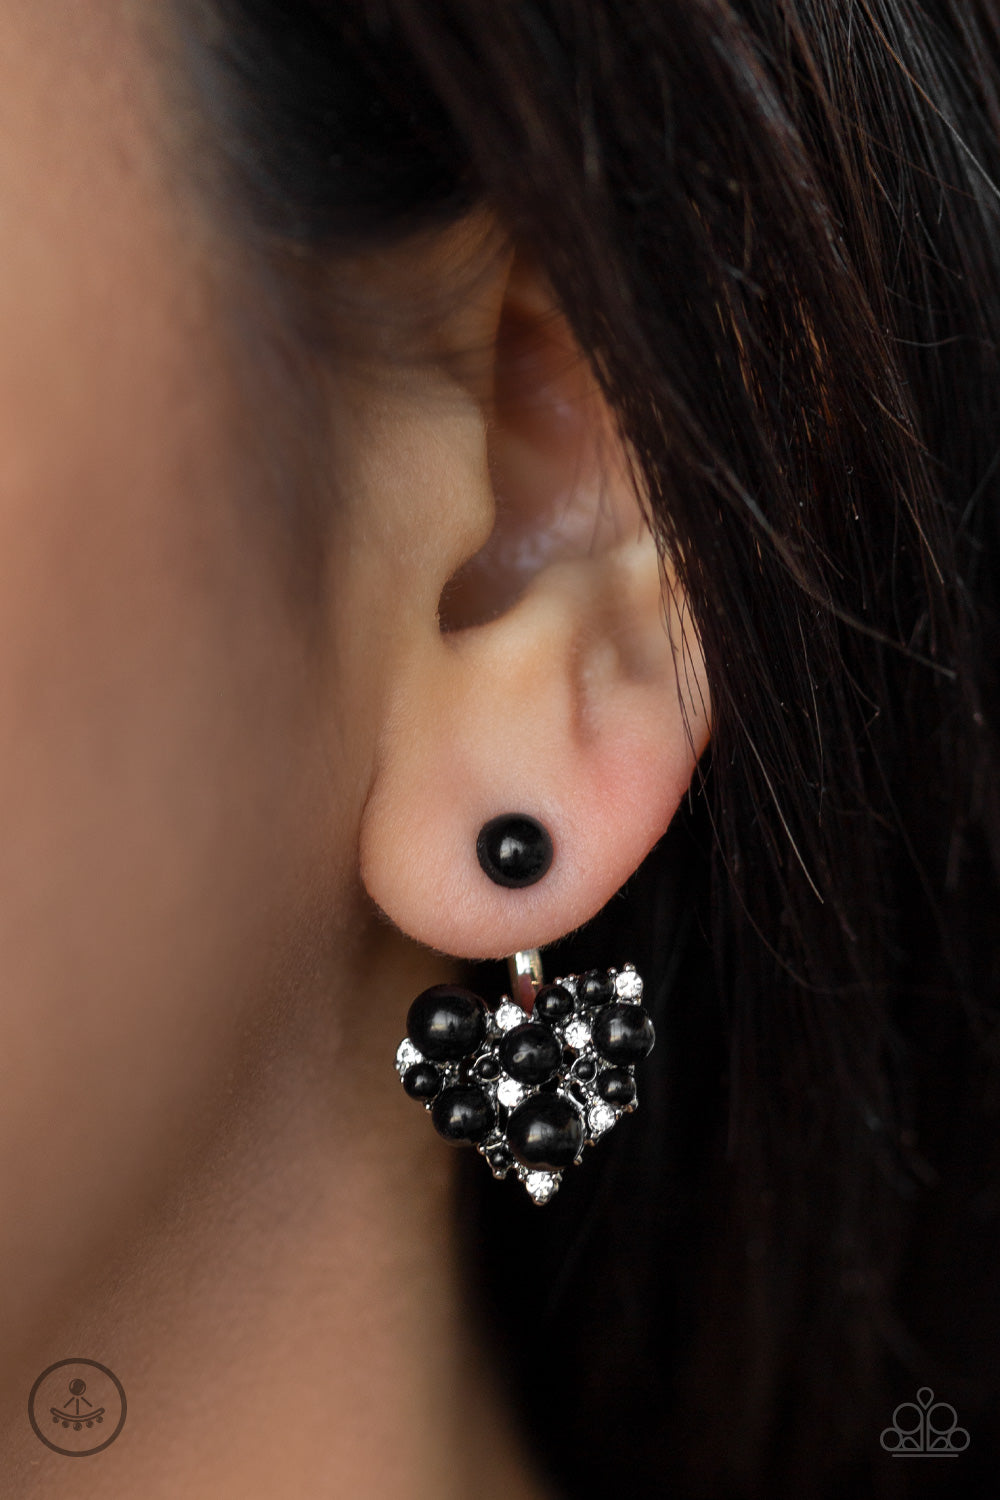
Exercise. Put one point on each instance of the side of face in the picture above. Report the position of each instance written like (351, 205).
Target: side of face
(177, 832)
(274, 646)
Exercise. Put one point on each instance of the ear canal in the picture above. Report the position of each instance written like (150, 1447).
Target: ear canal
(550, 689)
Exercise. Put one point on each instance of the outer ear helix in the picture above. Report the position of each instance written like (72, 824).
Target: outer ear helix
(532, 1083)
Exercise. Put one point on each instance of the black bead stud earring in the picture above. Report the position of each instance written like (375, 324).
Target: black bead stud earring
(514, 850)
(534, 1081)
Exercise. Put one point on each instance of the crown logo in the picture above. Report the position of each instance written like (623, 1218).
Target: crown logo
(924, 1428)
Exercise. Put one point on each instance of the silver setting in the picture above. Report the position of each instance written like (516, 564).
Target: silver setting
(540, 1185)
(628, 985)
(406, 1055)
(506, 1093)
(508, 1015)
(600, 1117)
(576, 1033)
(510, 1092)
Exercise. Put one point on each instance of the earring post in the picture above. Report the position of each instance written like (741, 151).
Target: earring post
(525, 968)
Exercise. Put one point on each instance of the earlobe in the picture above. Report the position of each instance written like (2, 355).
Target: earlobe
(576, 697)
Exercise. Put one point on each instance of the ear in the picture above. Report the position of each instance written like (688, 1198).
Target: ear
(552, 673)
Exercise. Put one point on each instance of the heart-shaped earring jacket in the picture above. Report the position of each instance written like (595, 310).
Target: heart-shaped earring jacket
(528, 1084)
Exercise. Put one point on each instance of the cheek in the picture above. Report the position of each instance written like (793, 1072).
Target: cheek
(161, 789)
(168, 819)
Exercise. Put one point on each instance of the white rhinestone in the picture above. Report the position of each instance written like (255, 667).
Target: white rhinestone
(568, 984)
(577, 1035)
(600, 1118)
(628, 985)
(541, 1185)
(510, 1092)
(509, 1015)
(407, 1054)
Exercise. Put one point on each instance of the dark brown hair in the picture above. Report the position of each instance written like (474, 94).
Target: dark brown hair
(775, 228)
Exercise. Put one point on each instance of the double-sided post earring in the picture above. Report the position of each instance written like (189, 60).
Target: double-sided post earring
(547, 1072)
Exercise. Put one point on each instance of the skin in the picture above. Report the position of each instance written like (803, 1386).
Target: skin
(221, 796)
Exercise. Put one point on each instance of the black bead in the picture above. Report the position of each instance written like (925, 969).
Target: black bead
(446, 1022)
(546, 1131)
(553, 1003)
(487, 1067)
(463, 1113)
(616, 1086)
(514, 850)
(596, 988)
(585, 1068)
(500, 1160)
(530, 1053)
(623, 1033)
(422, 1080)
